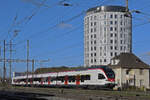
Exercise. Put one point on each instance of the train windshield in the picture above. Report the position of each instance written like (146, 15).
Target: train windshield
(109, 72)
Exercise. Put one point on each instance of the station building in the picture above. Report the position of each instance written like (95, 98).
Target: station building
(130, 71)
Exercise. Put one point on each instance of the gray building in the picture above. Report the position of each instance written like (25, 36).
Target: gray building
(107, 33)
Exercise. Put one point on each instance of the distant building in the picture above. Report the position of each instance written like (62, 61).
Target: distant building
(107, 33)
(130, 71)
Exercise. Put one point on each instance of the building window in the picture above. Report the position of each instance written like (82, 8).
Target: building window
(121, 23)
(120, 16)
(100, 48)
(111, 41)
(91, 48)
(94, 23)
(111, 54)
(104, 54)
(120, 47)
(115, 47)
(115, 41)
(121, 41)
(111, 16)
(94, 29)
(127, 72)
(141, 82)
(95, 54)
(115, 35)
(104, 60)
(95, 60)
(121, 35)
(104, 28)
(105, 48)
(104, 16)
(115, 22)
(115, 28)
(94, 48)
(91, 23)
(111, 47)
(111, 28)
(95, 42)
(91, 54)
(94, 35)
(94, 17)
(91, 30)
(91, 36)
(111, 34)
(91, 17)
(115, 16)
(111, 22)
(141, 71)
(91, 42)
(100, 60)
(91, 60)
(121, 29)
(115, 53)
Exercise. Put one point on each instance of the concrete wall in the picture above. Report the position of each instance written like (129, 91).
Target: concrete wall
(135, 77)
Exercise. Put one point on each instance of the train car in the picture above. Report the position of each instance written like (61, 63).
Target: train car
(93, 77)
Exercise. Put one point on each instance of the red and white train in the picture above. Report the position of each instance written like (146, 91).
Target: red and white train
(94, 77)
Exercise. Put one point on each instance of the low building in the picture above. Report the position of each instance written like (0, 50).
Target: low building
(130, 71)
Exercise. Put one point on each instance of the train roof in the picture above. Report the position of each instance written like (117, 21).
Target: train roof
(79, 69)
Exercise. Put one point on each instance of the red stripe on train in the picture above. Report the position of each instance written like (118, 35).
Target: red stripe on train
(78, 80)
(66, 80)
(49, 80)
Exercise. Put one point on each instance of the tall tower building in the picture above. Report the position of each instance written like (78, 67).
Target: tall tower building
(107, 33)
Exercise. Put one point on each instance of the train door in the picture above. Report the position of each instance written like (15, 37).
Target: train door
(66, 80)
(41, 81)
(78, 80)
(49, 80)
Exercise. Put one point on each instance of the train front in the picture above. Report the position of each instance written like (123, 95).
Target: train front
(110, 81)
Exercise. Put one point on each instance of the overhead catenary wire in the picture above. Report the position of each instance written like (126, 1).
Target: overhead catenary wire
(34, 35)
(58, 36)
(52, 27)
(34, 12)
(64, 21)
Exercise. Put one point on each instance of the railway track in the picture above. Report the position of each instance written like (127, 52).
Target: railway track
(31, 93)
(14, 95)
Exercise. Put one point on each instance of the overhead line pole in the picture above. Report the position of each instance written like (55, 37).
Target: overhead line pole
(10, 60)
(27, 60)
(4, 66)
(32, 71)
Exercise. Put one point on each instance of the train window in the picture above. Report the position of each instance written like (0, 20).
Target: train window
(71, 78)
(53, 79)
(62, 80)
(82, 80)
(87, 77)
(45, 79)
(37, 79)
(101, 76)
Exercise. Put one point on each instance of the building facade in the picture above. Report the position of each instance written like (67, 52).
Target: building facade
(130, 71)
(107, 33)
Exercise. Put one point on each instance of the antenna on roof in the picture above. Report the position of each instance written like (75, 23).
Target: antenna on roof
(127, 6)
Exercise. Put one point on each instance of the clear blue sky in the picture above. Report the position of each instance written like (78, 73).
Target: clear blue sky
(56, 32)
